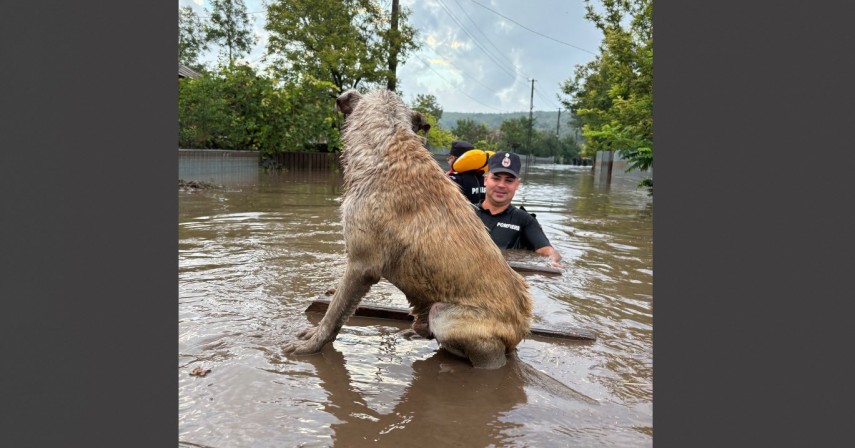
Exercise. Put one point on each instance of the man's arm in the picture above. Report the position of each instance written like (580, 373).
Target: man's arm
(549, 251)
(534, 234)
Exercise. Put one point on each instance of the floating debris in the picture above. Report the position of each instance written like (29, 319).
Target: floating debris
(194, 185)
(198, 371)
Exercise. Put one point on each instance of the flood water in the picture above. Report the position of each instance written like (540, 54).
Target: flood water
(254, 253)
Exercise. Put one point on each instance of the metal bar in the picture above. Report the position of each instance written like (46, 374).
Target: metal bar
(321, 304)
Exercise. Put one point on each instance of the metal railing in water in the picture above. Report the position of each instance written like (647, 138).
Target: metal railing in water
(228, 167)
(220, 167)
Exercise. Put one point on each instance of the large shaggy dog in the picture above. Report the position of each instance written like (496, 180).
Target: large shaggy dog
(405, 221)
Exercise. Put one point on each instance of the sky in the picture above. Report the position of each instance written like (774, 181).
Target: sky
(478, 55)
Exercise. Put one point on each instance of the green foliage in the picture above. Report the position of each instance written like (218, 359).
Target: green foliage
(471, 130)
(647, 183)
(438, 139)
(236, 108)
(489, 144)
(545, 121)
(427, 104)
(561, 149)
(202, 113)
(191, 38)
(230, 27)
(345, 42)
(612, 96)
(514, 135)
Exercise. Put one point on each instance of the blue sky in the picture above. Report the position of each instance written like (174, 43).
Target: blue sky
(479, 55)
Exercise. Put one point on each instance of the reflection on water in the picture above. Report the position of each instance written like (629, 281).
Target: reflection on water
(253, 255)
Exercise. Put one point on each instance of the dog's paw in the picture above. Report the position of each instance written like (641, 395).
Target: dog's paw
(301, 348)
(307, 334)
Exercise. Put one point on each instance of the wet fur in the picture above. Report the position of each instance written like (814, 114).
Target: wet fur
(405, 221)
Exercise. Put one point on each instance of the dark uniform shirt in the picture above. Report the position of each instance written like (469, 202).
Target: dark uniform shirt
(513, 228)
(471, 183)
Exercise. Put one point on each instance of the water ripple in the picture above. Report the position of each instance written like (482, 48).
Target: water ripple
(250, 260)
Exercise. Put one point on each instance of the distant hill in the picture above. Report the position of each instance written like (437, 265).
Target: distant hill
(543, 120)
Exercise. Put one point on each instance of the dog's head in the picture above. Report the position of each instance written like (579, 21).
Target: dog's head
(347, 102)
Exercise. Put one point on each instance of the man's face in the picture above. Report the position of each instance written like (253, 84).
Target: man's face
(501, 187)
(451, 160)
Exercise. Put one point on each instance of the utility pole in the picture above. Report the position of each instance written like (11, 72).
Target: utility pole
(393, 54)
(557, 135)
(530, 121)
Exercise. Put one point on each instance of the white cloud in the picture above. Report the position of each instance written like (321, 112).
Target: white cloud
(455, 44)
(499, 81)
(195, 4)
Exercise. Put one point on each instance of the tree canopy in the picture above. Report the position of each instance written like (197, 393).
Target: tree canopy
(191, 38)
(612, 96)
(345, 42)
(437, 137)
(471, 130)
(230, 27)
(236, 108)
(320, 48)
(427, 103)
(514, 134)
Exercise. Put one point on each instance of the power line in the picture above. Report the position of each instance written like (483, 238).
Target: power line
(544, 99)
(455, 87)
(462, 72)
(550, 104)
(533, 31)
(498, 51)
(475, 41)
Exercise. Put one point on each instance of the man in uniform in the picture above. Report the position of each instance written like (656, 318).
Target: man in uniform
(509, 226)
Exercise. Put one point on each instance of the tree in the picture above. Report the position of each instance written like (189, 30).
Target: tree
(230, 27)
(569, 149)
(514, 134)
(471, 130)
(427, 104)
(202, 113)
(437, 137)
(345, 42)
(191, 38)
(490, 141)
(548, 144)
(394, 40)
(236, 108)
(612, 96)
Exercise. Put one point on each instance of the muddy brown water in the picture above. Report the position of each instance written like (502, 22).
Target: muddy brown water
(254, 254)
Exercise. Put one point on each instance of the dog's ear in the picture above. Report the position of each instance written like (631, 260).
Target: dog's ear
(346, 102)
(420, 123)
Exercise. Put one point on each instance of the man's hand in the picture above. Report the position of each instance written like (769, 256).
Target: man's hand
(555, 257)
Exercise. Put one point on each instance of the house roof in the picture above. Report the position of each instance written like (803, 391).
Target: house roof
(187, 72)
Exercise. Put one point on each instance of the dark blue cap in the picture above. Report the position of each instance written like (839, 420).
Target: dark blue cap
(458, 147)
(505, 162)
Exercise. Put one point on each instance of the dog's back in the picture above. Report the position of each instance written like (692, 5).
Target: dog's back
(401, 210)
